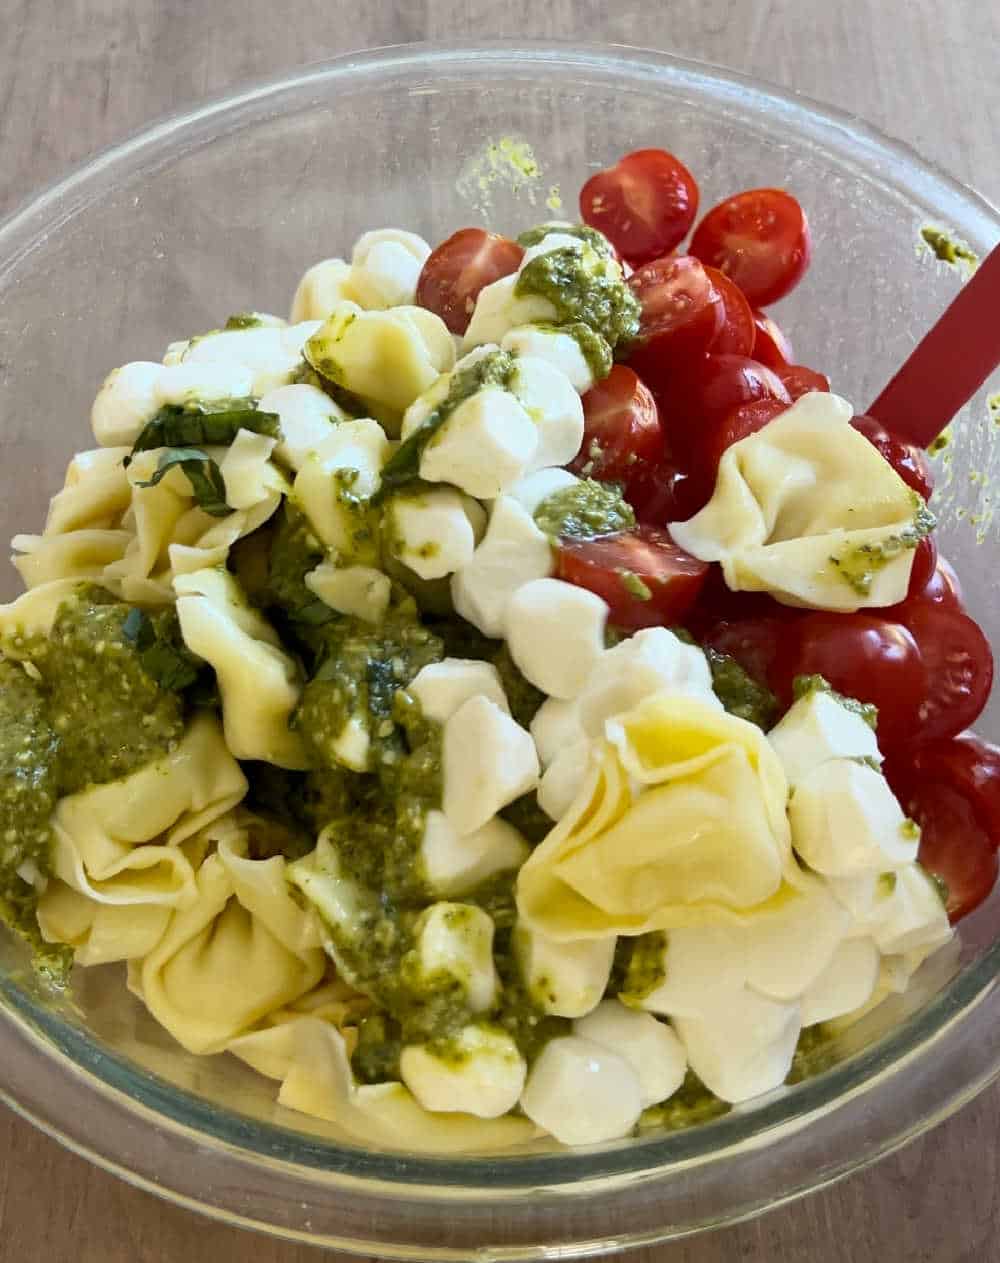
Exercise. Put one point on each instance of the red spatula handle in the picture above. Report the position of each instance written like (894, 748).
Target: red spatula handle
(949, 365)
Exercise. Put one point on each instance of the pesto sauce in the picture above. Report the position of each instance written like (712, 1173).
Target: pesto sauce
(584, 286)
(528, 818)
(645, 967)
(295, 551)
(947, 248)
(523, 699)
(690, 1105)
(814, 1053)
(493, 369)
(585, 510)
(803, 685)
(583, 232)
(593, 347)
(306, 375)
(859, 565)
(739, 693)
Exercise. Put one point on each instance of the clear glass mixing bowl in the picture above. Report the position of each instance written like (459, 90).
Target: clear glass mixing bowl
(219, 210)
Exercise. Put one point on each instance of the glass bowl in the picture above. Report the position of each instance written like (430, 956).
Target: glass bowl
(219, 210)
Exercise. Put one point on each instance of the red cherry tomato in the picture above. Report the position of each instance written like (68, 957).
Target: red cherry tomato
(966, 764)
(708, 390)
(682, 312)
(925, 560)
(662, 493)
(621, 428)
(771, 346)
(619, 568)
(909, 462)
(753, 642)
(713, 440)
(800, 380)
(738, 332)
(944, 588)
(459, 268)
(760, 239)
(959, 668)
(862, 656)
(645, 204)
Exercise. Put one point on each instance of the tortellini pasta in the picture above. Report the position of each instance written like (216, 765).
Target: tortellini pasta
(808, 510)
(80, 554)
(704, 839)
(99, 933)
(120, 843)
(96, 492)
(388, 358)
(240, 950)
(257, 679)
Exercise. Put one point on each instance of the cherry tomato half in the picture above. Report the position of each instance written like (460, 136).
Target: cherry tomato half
(966, 764)
(682, 313)
(925, 560)
(662, 493)
(959, 667)
(760, 239)
(459, 268)
(800, 380)
(753, 642)
(771, 346)
(909, 462)
(621, 428)
(862, 656)
(943, 587)
(645, 204)
(738, 332)
(718, 435)
(707, 391)
(645, 578)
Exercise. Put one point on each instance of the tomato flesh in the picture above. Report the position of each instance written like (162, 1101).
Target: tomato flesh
(682, 312)
(621, 428)
(738, 332)
(645, 578)
(459, 268)
(908, 461)
(771, 345)
(645, 204)
(760, 239)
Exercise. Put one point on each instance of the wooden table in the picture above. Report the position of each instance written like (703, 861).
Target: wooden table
(77, 74)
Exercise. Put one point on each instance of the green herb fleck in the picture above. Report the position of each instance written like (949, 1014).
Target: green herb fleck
(202, 473)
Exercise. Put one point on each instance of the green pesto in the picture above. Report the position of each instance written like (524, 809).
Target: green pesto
(583, 285)
(947, 248)
(593, 347)
(886, 883)
(363, 548)
(690, 1105)
(866, 760)
(461, 640)
(528, 818)
(803, 685)
(583, 232)
(910, 829)
(740, 693)
(376, 1056)
(645, 969)
(493, 369)
(496, 896)
(941, 887)
(518, 1012)
(634, 586)
(993, 404)
(814, 1053)
(246, 320)
(294, 551)
(165, 657)
(859, 565)
(585, 510)
(353, 405)
(942, 441)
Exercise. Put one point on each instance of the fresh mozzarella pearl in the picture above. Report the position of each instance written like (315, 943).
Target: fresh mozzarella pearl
(563, 779)
(125, 403)
(479, 1072)
(190, 382)
(455, 940)
(786, 950)
(360, 591)
(845, 820)
(650, 1047)
(581, 1092)
(513, 552)
(433, 532)
(488, 760)
(561, 350)
(306, 415)
(415, 246)
(554, 240)
(555, 728)
(551, 401)
(555, 634)
(653, 660)
(322, 288)
(818, 728)
(498, 310)
(386, 266)
(908, 915)
(531, 491)
(266, 352)
(744, 1048)
(454, 865)
(566, 979)
(442, 688)
(703, 968)
(486, 444)
(845, 984)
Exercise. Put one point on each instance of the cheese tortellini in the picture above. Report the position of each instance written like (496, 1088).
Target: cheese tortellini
(808, 510)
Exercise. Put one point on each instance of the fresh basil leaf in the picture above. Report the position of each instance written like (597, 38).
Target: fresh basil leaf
(213, 422)
(164, 655)
(202, 473)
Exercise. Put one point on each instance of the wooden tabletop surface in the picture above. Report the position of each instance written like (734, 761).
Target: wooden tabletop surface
(77, 74)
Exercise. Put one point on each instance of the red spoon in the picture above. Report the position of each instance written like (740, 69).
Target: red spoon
(950, 363)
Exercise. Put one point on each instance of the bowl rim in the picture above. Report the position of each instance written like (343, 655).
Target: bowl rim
(615, 1171)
